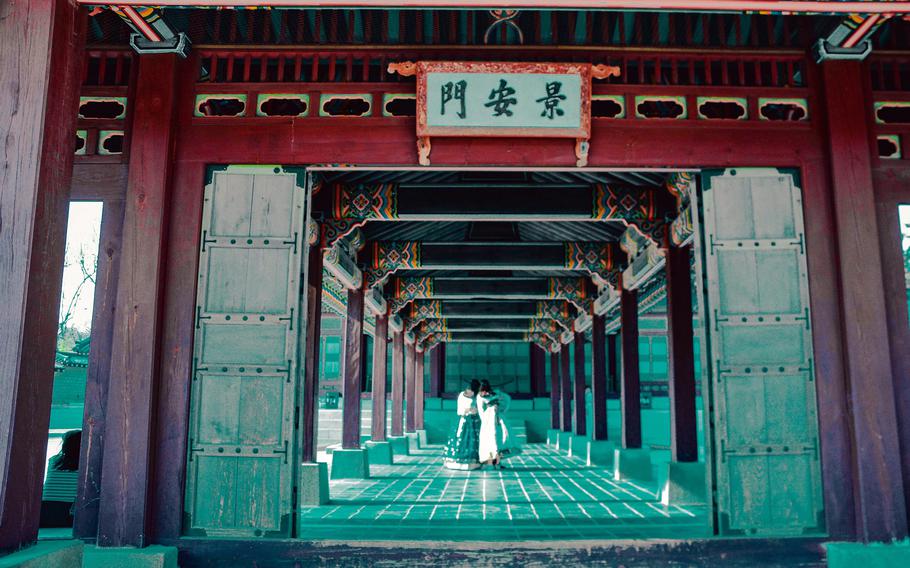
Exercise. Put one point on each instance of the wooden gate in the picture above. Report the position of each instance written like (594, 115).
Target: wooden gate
(761, 384)
(242, 421)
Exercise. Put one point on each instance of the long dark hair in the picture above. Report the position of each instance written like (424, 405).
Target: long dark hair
(68, 457)
(475, 385)
(485, 386)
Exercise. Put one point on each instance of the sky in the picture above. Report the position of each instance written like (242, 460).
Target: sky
(82, 236)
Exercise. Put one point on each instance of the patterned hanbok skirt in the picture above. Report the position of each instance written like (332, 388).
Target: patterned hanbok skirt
(461, 450)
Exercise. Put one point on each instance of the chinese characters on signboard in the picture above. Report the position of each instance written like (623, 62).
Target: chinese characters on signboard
(503, 100)
(482, 99)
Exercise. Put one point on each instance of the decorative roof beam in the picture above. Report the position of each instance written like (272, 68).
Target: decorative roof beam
(407, 289)
(597, 259)
(851, 39)
(556, 310)
(151, 34)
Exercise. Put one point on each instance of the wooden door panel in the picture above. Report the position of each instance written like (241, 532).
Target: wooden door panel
(245, 377)
(764, 434)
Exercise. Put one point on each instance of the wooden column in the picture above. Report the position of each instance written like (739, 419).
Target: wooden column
(419, 402)
(410, 390)
(613, 363)
(565, 388)
(41, 50)
(538, 370)
(681, 355)
(309, 405)
(134, 361)
(630, 395)
(352, 380)
(85, 521)
(598, 378)
(397, 424)
(380, 366)
(554, 391)
(881, 508)
(581, 423)
(438, 370)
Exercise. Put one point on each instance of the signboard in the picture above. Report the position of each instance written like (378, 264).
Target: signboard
(483, 99)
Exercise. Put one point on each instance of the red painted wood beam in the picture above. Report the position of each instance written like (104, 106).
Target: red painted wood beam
(41, 48)
(630, 394)
(438, 370)
(419, 401)
(123, 514)
(681, 355)
(398, 363)
(880, 497)
(380, 366)
(352, 380)
(790, 6)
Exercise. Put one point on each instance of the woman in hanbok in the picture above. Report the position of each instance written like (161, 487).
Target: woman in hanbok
(461, 450)
(494, 436)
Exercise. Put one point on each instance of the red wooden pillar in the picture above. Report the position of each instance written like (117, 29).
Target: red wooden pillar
(880, 499)
(565, 389)
(613, 363)
(410, 391)
(581, 424)
(683, 428)
(598, 378)
(380, 356)
(630, 395)
(309, 405)
(41, 49)
(438, 370)
(398, 349)
(352, 380)
(419, 361)
(538, 370)
(554, 390)
(134, 362)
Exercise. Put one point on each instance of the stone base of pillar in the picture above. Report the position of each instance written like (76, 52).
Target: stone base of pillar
(553, 437)
(578, 447)
(632, 464)
(350, 464)
(564, 441)
(413, 442)
(314, 484)
(46, 554)
(380, 453)
(683, 483)
(399, 445)
(149, 557)
(600, 452)
(422, 439)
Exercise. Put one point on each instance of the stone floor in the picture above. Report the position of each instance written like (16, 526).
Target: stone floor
(544, 494)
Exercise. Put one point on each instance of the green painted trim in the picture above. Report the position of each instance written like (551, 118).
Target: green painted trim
(121, 100)
(326, 97)
(82, 135)
(388, 97)
(265, 97)
(680, 100)
(102, 136)
(896, 140)
(878, 105)
(738, 100)
(205, 96)
(618, 99)
(802, 103)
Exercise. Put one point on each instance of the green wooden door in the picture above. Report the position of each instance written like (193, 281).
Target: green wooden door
(761, 381)
(240, 468)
